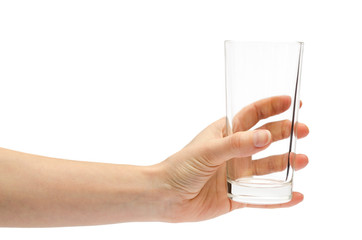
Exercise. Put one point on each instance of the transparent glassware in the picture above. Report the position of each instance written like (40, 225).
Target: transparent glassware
(255, 71)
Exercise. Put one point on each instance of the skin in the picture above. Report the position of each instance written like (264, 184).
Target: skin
(38, 191)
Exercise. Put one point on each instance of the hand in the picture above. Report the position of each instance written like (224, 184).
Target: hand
(196, 176)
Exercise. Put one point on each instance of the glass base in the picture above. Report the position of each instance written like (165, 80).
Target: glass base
(259, 191)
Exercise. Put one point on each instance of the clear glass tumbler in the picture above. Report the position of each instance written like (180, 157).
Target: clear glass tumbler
(255, 71)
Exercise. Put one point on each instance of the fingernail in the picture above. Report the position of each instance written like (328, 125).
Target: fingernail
(261, 138)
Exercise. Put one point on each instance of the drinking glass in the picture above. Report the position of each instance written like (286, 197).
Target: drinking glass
(255, 71)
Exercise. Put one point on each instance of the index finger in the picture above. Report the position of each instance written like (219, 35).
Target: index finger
(253, 113)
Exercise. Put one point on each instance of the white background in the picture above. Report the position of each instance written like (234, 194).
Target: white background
(134, 81)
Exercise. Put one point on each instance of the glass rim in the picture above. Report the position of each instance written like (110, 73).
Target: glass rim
(263, 42)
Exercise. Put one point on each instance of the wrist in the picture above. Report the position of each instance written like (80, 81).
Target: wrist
(143, 194)
(158, 194)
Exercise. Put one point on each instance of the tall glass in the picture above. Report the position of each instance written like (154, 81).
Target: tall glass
(255, 71)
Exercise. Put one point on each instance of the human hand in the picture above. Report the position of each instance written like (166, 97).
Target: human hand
(196, 175)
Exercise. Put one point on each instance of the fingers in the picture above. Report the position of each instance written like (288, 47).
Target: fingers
(251, 114)
(278, 163)
(240, 144)
(281, 129)
(296, 198)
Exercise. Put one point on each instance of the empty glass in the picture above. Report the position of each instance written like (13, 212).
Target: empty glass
(256, 71)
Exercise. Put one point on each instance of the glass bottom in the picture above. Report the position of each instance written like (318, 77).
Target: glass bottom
(259, 191)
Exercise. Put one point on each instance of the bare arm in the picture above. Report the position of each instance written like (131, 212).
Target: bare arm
(37, 191)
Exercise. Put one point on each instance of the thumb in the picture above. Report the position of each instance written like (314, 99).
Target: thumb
(240, 144)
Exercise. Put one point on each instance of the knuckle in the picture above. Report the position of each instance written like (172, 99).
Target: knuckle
(264, 112)
(208, 158)
(285, 129)
(257, 170)
(236, 142)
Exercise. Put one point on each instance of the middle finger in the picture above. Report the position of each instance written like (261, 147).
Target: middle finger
(281, 129)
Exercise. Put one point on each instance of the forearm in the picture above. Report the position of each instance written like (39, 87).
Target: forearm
(37, 191)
